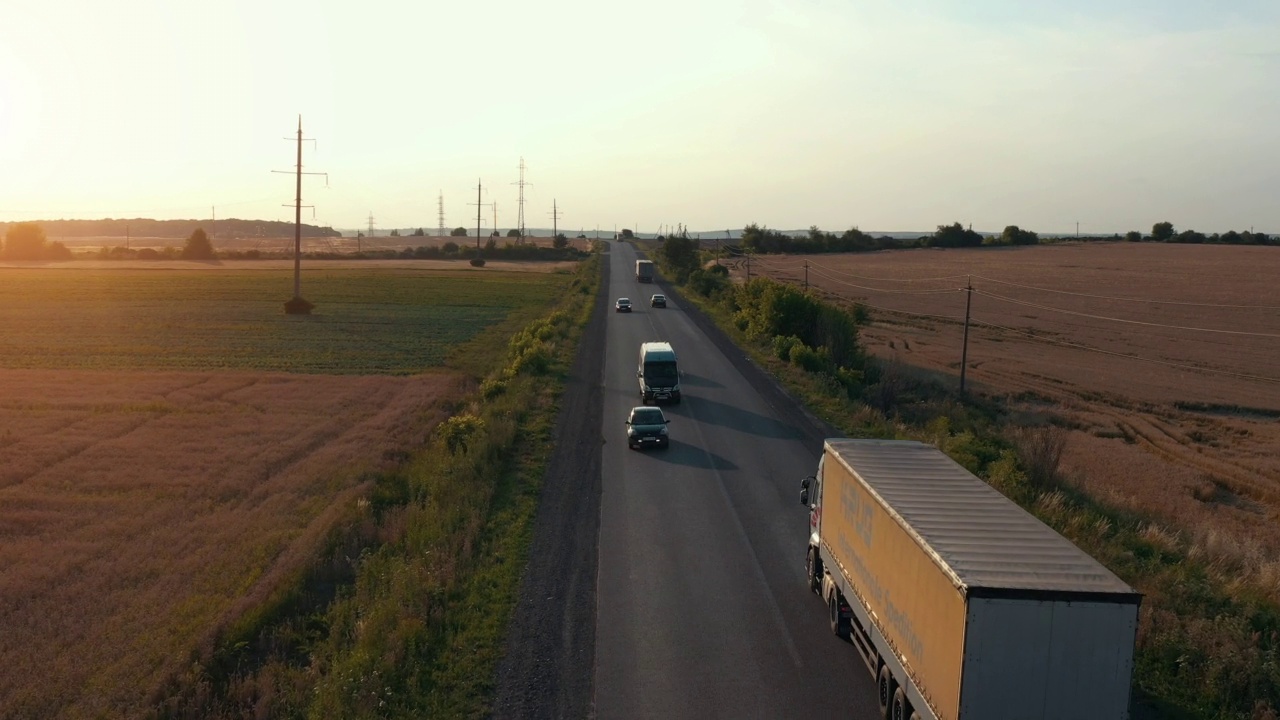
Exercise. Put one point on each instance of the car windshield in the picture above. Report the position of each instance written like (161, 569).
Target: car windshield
(659, 297)
(623, 301)
(646, 416)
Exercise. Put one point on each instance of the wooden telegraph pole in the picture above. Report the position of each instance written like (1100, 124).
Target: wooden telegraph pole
(964, 352)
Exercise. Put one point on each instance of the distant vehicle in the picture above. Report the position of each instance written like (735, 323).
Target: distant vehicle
(659, 301)
(963, 605)
(658, 373)
(644, 271)
(623, 305)
(646, 427)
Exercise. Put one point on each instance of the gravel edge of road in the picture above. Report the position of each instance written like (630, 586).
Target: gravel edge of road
(547, 670)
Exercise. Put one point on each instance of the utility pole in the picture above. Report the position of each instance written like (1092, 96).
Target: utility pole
(806, 275)
(442, 233)
(964, 352)
(555, 218)
(495, 215)
(297, 305)
(1077, 229)
(370, 223)
(479, 206)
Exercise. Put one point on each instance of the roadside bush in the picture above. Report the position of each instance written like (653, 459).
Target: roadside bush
(492, 388)
(783, 345)
(708, 282)
(809, 359)
(458, 431)
(1040, 449)
(477, 262)
(767, 308)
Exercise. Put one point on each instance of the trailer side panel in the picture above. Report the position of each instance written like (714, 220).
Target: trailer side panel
(911, 600)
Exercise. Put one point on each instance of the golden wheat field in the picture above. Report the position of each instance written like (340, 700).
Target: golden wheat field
(1160, 358)
(142, 512)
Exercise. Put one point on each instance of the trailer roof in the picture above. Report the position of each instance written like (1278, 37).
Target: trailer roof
(981, 538)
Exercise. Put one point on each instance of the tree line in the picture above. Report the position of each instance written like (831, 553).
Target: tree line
(763, 240)
(146, 227)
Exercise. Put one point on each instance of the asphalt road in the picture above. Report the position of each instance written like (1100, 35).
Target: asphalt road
(701, 605)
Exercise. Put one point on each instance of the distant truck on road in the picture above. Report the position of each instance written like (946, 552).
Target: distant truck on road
(963, 605)
(644, 271)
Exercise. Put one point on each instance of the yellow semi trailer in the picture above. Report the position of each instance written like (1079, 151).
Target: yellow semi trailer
(963, 605)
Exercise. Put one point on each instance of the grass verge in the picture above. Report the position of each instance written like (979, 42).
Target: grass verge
(406, 613)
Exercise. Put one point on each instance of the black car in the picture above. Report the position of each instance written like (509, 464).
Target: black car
(658, 300)
(646, 427)
(623, 305)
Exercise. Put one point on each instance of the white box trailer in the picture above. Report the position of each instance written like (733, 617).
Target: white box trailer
(963, 605)
(644, 271)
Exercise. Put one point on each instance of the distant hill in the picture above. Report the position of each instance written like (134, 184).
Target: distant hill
(145, 227)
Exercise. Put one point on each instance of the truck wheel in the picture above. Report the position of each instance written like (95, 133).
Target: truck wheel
(901, 707)
(885, 690)
(814, 566)
(839, 625)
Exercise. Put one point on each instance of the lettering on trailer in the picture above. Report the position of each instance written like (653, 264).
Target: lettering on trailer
(859, 513)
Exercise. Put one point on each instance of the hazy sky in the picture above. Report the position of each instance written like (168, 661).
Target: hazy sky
(887, 115)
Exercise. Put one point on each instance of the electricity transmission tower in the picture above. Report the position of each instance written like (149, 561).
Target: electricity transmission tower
(297, 305)
(442, 233)
(521, 183)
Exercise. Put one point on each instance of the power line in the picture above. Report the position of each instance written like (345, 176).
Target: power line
(887, 279)
(883, 290)
(1123, 320)
(1089, 348)
(1128, 299)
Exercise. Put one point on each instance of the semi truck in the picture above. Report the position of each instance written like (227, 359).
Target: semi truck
(644, 271)
(963, 605)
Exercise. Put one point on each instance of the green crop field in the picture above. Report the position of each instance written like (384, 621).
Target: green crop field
(371, 321)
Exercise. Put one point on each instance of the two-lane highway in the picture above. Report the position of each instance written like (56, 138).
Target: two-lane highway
(702, 609)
